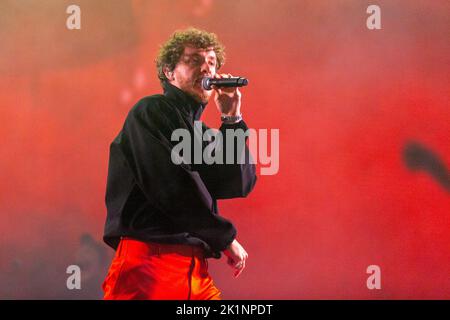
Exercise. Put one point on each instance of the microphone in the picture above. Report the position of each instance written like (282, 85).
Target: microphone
(207, 82)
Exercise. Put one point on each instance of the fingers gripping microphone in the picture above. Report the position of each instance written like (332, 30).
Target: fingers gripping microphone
(207, 82)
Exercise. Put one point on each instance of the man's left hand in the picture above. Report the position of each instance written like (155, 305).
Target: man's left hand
(228, 100)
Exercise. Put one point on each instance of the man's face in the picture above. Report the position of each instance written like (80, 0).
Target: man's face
(195, 64)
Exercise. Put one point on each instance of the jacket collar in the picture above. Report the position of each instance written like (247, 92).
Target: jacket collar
(184, 101)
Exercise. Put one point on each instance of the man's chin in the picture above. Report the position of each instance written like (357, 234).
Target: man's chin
(202, 97)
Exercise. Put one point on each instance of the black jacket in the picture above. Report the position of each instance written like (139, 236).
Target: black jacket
(150, 198)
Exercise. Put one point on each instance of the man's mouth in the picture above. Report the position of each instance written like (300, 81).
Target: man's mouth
(199, 82)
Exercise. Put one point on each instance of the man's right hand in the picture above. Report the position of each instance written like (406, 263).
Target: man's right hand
(236, 257)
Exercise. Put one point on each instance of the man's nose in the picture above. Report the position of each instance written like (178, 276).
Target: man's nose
(207, 69)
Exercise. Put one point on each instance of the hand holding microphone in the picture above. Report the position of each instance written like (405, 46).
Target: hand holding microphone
(228, 96)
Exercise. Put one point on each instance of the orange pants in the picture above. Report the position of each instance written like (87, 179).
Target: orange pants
(154, 271)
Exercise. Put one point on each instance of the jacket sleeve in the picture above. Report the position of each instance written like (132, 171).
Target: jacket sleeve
(230, 180)
(176, 190)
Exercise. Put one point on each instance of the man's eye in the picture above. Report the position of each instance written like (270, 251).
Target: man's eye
(191, 60)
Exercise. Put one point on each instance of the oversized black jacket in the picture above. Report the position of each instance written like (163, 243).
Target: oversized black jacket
(150, 198)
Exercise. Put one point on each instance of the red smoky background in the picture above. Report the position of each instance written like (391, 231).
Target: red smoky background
(364, 141)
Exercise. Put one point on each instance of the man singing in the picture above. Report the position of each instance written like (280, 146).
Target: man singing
(162, 218)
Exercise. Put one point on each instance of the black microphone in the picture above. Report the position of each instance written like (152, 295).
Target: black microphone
(207, 82)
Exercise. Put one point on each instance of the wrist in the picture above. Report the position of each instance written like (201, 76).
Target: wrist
(229, 119)
(231, 113)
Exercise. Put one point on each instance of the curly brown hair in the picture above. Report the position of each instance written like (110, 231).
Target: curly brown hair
(169, 53)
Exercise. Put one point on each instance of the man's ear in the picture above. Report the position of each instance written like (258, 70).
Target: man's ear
(168, 73)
